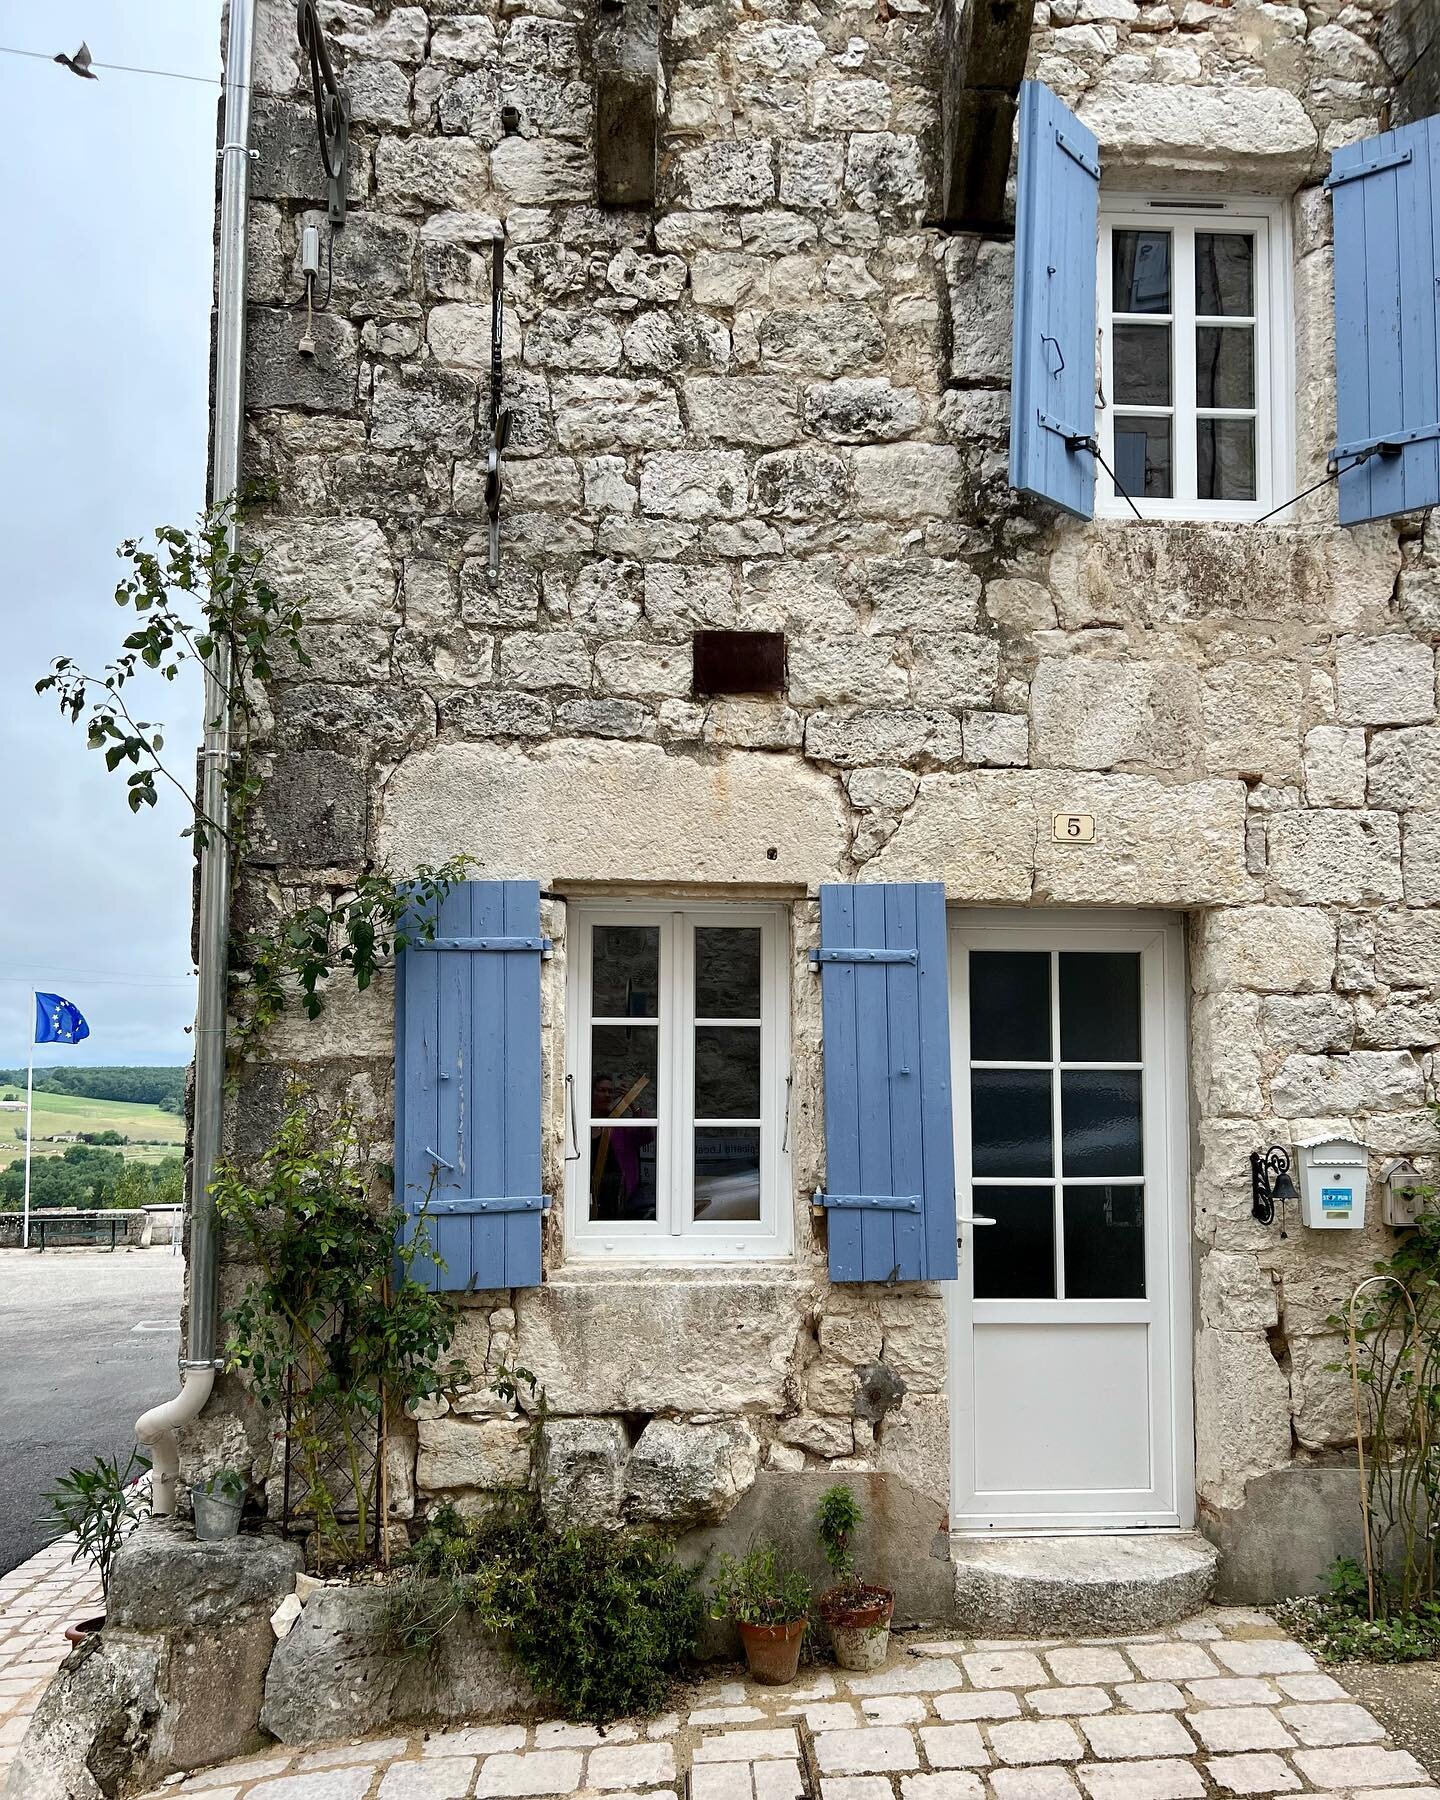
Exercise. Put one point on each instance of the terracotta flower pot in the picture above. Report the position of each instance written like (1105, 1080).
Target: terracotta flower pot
(77, 1634)
(773, 1651)
(859, 1621)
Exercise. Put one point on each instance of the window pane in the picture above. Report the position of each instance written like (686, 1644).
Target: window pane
(1142, 365)
(1142, 457)
(727, 972)
(1224, 365)
(1104, 1243)
(727, 1072)
(625, 972)
(727, 1172)
(1100, 1122)
(624, 1061)
(1009, 1006)
(622, 1172)
(1225, 459)
(1099, 1006)
(1140, 271)
(1224, 274)
(1010, 1121)
(1015, 1257)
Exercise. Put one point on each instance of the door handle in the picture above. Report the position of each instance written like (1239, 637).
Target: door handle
(972, 1219)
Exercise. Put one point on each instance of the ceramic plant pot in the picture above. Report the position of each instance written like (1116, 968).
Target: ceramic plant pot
(859, 1622)
(773, 1651)
(86, 1628)
(215, 1516)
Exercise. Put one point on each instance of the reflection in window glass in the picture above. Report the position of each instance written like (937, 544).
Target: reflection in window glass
(727, 973)
(625, 972)
(1009, 1006)
(1099, 1006)
(1100, 1122)
(1225, 459)
(1142, 457)
(1224, 365)
(727, 1172)
(1015, 1257)
(622, 1172)
(1224, 274)
(1104, 1243)
(1010, 1126)
(727, 1072)
(624, 1063)
(1140, 271)
(1142, 365)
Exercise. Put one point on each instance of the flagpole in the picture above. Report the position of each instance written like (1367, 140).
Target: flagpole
(29, 1113)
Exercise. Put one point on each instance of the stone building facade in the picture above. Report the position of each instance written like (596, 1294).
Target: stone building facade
(778, 400)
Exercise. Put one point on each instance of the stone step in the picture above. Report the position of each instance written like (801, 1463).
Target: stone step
(1041, 1586)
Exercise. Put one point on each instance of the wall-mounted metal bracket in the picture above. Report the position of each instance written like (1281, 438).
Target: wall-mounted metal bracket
(332, 109)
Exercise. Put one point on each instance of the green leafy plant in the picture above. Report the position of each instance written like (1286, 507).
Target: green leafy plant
(838, 1519)
(332, 1324)
(225, 1484)
(758, 1589)
(600, 1622)
(101, 1505)
(1337, 1625)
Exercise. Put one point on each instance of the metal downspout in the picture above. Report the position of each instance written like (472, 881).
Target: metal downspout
(157, 1428)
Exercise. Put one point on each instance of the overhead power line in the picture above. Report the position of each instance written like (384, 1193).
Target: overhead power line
(120, 68)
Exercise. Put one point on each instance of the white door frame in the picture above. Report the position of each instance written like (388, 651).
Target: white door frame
(1159, 939)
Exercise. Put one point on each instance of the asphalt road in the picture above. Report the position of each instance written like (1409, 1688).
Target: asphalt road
(75, 1373)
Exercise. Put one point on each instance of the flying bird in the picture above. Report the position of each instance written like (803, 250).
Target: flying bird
(79, 64)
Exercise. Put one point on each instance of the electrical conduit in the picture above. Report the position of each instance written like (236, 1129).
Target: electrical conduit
(157, 1428)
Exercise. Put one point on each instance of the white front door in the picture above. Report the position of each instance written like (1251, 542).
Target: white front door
(1069, 1323)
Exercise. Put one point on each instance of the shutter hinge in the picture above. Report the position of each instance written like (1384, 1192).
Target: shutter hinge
(1394, 159)
(869, 1202)
(846, 955)
(1076, 154)
(493, 944)
(1074, 440)
(1391, 444)
(491, 1203)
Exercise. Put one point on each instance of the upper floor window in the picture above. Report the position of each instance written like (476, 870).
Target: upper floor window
(1194, 414)
(678, 1080)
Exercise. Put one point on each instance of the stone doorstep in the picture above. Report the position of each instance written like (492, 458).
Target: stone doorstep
(1080, 1585)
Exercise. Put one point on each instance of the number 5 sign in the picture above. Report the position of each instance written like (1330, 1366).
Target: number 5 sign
(1075, 828)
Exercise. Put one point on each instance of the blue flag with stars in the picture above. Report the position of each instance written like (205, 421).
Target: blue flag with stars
(58, 1021)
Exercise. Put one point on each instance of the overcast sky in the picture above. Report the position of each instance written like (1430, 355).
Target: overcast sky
(105, 220)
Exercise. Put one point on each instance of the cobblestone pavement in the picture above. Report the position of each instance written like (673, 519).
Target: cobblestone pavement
(37, 1601)
(1218, 1706)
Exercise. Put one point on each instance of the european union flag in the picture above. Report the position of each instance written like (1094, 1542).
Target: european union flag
(58, 1021)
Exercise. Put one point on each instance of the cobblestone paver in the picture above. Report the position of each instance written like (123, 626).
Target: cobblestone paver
(37, 1601)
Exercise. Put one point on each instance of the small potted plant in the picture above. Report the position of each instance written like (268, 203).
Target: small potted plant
(770, 1606)
(857, 1614)
(101, 1505)
(218, 1504)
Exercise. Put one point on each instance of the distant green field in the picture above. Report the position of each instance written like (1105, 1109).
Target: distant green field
(69, 1113)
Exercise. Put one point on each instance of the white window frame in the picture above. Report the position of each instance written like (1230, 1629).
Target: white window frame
(674, 1236)
(1274, 353)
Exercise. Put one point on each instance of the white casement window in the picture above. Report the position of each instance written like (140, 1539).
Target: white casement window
(677, 1081)
(1195, 359)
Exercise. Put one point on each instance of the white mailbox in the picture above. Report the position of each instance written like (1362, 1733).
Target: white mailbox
(1333, 1178)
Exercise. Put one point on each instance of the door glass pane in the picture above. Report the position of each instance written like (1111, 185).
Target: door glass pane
(1104, 1243)
(1010, 1121)
(622, 1171)
(1100, 1122)
(1225, 459)
(1142, 457)
(625, 971)
(1140, 271)
(1224, 365)
(1015, 1257)
(1099, 1006)
(1224, 274)
(727, 1072)
(1142, 365)
(727, 1172)
(624, 1061)
(1009, 1006)
(727, 972)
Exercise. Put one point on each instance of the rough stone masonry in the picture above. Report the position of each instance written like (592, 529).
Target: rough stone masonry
(778, 399)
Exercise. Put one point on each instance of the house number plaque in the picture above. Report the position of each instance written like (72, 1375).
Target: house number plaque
(1075, 828)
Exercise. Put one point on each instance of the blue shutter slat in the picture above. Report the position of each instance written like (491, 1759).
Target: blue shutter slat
(1052, 386)
(890, 1182)
(468, 1087)
(1386, 196)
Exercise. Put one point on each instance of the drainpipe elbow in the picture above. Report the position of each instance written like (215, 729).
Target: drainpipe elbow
(156, 1430)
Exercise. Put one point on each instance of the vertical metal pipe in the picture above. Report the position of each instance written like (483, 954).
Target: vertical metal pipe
(157, 1428)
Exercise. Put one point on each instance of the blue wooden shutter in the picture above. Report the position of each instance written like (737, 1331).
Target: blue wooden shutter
(1052, 383)
(889, 1151)
(1386, 193)
(467, 1087)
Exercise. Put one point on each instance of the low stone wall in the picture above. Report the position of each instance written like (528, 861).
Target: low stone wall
(70, 1227)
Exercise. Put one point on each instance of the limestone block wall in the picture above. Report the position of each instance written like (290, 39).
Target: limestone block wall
(780, 400)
